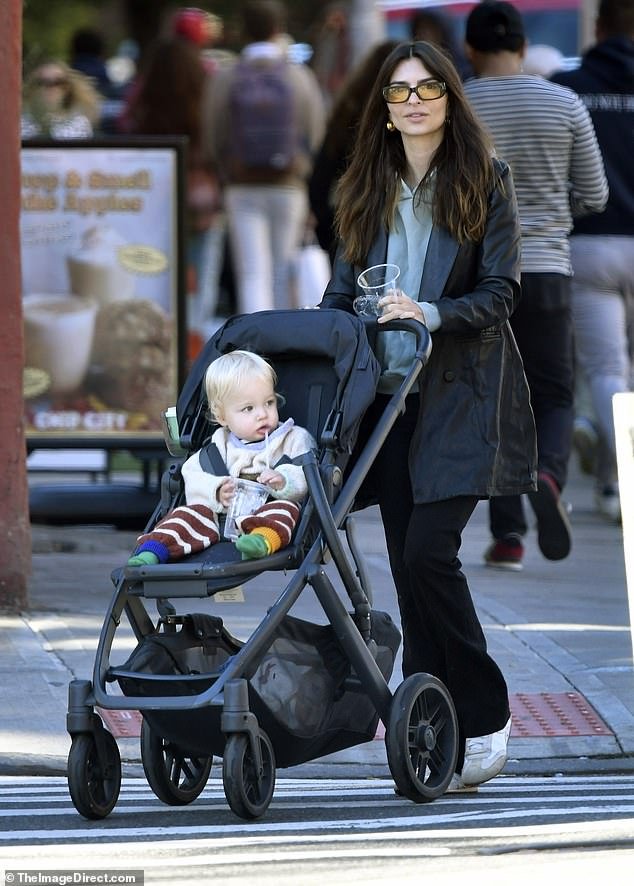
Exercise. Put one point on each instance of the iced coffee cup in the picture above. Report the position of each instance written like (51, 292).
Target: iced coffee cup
(375, 282)
(94, 268)
(58, 335)
(249, 496)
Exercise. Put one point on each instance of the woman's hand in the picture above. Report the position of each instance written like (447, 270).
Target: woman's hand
(272, 478)
(226, 491)
(398, 306)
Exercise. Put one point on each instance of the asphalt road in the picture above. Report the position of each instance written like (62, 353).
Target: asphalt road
(341, 831)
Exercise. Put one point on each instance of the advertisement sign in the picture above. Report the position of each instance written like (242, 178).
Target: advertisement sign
(102, 286)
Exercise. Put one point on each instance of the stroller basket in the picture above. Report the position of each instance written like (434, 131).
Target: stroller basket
(303, 690)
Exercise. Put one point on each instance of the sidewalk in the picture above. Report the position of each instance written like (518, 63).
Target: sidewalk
(559, 631)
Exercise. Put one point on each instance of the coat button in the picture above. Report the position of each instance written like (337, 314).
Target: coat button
(448, 375)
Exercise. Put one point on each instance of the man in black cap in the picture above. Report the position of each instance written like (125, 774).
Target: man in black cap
(545, 134)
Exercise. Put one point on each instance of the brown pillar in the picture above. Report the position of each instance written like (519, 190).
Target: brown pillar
(15, 531)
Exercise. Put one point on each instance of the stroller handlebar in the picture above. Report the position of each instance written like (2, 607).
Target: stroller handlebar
(418, 329)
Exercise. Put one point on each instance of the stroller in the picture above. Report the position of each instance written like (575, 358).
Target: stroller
(294, 690)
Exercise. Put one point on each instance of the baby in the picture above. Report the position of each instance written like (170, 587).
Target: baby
(240, 389)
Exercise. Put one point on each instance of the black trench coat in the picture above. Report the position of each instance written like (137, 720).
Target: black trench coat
(475, 433)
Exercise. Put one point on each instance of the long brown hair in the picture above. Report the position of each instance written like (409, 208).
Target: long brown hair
(351, 98)
(170, 95)
(367, 192)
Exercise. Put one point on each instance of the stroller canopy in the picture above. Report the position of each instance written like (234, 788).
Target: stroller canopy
(326, 369)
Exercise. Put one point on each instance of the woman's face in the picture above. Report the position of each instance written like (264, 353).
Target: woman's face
(416, 117)
(52, 84)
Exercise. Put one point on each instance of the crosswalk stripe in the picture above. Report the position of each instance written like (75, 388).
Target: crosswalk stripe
(314, 802)
(248, 838)
(318, 825)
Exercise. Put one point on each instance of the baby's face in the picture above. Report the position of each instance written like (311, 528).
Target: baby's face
(251, 413)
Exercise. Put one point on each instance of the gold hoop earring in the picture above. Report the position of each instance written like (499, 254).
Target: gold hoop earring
(390, 126)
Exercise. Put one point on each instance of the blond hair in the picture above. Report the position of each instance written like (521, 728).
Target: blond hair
(80, 96)
(229, 373)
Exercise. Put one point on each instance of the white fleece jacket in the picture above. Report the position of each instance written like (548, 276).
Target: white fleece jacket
(248, 460)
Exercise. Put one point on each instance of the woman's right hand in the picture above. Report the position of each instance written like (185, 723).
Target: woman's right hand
(398, 306)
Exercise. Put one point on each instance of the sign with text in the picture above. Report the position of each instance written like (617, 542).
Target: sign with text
(102, 288)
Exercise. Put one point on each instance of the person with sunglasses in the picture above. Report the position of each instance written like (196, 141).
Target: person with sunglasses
(423, 191)
(59, 103)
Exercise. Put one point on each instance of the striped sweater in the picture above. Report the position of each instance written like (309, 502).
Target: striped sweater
(545, 134)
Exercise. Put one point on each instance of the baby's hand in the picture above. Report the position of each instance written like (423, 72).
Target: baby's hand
(226, 491)
(272, 478)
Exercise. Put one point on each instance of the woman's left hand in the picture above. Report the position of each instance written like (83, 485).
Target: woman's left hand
(398, 306)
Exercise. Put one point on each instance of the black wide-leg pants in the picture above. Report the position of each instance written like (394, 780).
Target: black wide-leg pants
(441, 631)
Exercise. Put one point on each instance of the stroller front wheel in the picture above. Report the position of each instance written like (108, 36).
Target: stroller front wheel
(94, 779)
(248, 788)
(175, 778)
(421, 738)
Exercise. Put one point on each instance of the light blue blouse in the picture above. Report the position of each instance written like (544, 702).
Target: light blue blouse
(407, 248)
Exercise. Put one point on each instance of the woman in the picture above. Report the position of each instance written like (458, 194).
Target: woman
(59, 103)
(167, 100)
(339, 139)
(423, 191)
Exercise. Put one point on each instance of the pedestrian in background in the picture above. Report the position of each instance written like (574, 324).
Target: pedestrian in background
(58, 103)
(436, 27)
(422, 191)
(545, 134)
(341, 132)
(87, 55)
(168, 100)
(602, 246)
(264, 119)
(202, 29)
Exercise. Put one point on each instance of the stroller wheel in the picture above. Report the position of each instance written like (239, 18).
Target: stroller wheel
(422, 738)
(248, 790)
(174, 777)
(94, 783)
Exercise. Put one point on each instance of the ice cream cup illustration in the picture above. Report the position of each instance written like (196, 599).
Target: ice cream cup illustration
(58, 335)
(95, 270)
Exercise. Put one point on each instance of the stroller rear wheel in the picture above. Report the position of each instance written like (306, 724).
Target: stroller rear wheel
(93, 782)
(248, 788)
(422, 738)
(175, 778)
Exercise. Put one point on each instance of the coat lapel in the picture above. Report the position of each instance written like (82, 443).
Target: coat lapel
(378, 250)
(441, 255)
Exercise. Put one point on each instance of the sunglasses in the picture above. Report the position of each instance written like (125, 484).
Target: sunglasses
(427, 90)
(51, 82)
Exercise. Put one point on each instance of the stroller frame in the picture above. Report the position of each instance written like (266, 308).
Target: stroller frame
(419, 718)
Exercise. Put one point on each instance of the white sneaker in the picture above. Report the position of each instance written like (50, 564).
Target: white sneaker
(457, 786)
(485, 756)
(608, 503)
